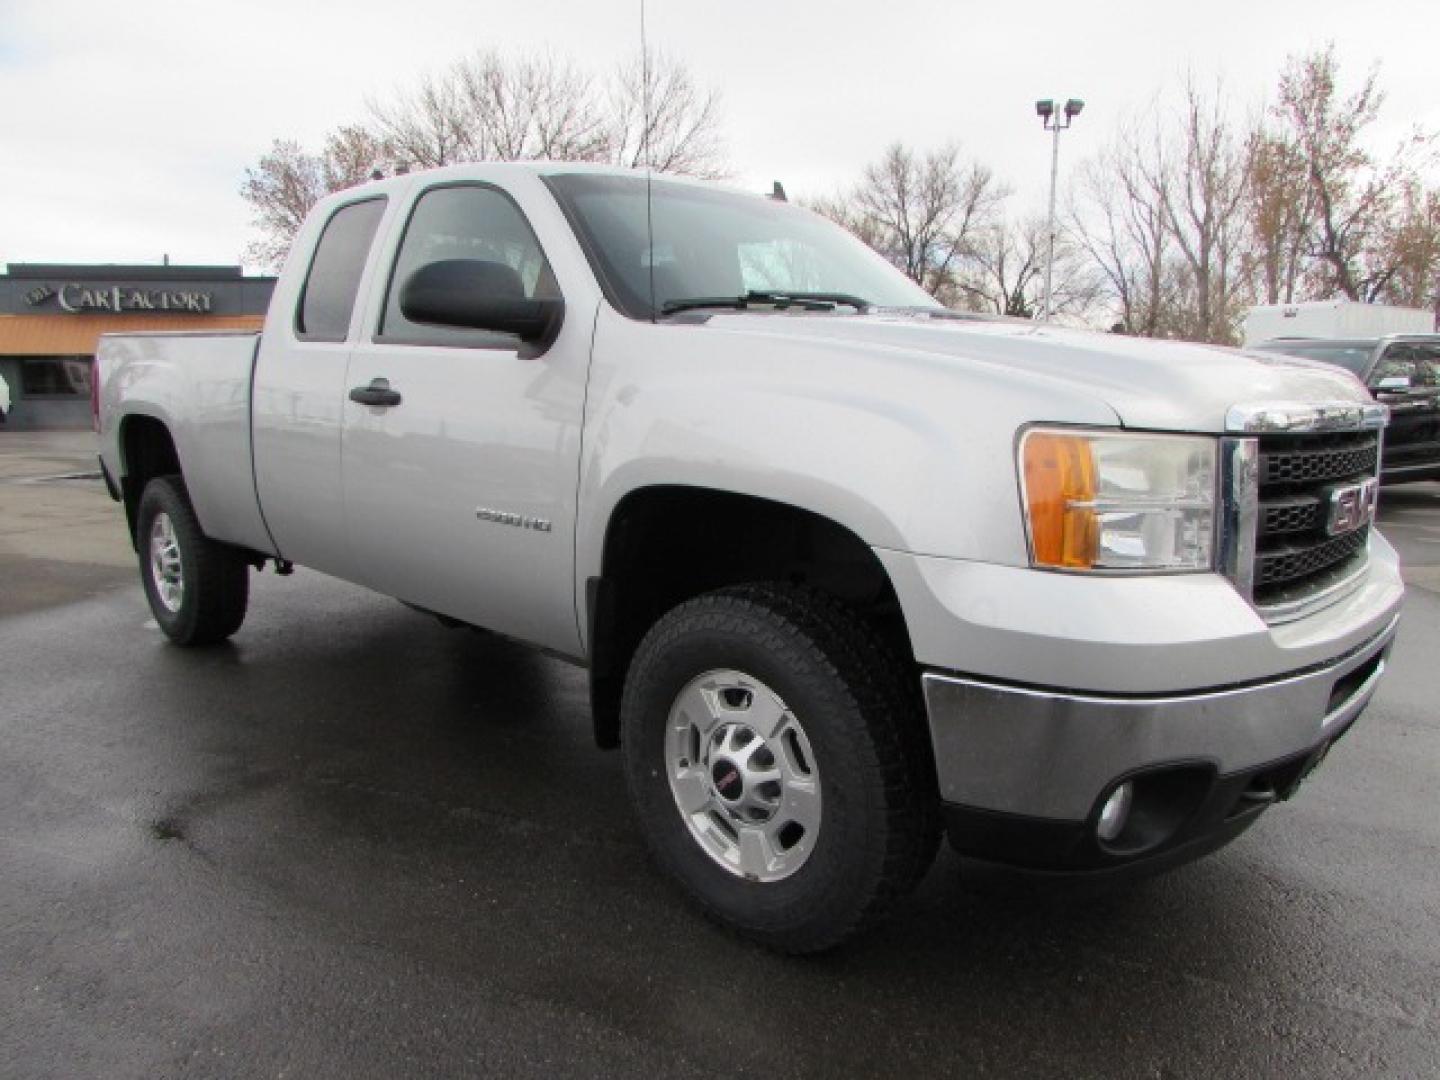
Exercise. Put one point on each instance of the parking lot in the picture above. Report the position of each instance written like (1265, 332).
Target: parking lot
(354, 843)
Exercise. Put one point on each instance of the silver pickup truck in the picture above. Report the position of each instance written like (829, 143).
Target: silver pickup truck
(848, 570)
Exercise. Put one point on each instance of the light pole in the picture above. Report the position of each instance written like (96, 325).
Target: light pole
(1046, 111)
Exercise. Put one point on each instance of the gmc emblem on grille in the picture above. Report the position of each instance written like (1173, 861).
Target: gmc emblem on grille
(1351, 507)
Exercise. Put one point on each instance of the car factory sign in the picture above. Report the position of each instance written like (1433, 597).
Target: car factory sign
(83, 298)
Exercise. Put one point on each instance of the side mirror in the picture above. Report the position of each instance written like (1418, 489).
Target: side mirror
(475, 294)
(1394, 382)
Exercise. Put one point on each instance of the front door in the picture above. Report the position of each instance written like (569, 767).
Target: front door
(1412, 372)
(298, 391)
(460, 457)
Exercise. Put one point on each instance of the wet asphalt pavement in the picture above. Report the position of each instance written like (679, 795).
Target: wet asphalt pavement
(353, 843)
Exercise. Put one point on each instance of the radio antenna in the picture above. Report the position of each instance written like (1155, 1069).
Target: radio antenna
(645, 150)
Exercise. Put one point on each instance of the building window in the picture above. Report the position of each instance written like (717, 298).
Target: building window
(55, 376)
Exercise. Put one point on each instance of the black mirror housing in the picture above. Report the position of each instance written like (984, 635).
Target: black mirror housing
(475, 294)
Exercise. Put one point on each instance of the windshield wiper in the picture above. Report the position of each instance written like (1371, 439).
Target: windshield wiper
(940, 313)
(808, 301)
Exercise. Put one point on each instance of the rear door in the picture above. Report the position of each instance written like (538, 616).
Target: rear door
(1407, 379)
(299, 389)
(460, 491)
(1427, 365)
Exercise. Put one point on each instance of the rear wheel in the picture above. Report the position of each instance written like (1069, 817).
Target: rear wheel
(198, 589)
(778, 764)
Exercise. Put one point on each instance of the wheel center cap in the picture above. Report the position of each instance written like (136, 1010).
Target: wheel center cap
(727, 780)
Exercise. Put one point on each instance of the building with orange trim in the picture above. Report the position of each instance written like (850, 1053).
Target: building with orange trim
(52, 316)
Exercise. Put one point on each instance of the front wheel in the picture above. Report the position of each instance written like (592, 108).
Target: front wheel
(778, 765)
(198, 588)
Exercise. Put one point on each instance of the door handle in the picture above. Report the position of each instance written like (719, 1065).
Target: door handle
(377, 395)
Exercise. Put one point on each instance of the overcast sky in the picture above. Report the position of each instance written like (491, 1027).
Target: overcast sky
(125, 127)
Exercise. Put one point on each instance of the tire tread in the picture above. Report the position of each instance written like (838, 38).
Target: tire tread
(217, 573)
(806, 622)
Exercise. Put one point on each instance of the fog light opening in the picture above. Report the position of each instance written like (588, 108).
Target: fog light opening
(1115, 813)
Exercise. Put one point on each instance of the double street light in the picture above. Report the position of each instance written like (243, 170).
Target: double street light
(1056, 122)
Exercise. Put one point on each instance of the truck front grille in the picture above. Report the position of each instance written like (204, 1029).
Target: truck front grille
(1300, 464)
(1290, 516)
(1295, 555)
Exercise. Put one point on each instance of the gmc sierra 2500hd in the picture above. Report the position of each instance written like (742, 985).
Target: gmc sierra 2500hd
(848, 570)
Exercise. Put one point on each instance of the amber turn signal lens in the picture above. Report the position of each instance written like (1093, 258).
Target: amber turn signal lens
(1059, 474)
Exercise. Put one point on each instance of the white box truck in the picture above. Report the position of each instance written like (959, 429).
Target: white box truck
(1334, 319)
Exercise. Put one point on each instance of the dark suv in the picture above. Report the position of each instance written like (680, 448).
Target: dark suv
(1403, 371)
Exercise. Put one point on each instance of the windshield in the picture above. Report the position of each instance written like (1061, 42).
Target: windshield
(1352, 358)
(717, 244)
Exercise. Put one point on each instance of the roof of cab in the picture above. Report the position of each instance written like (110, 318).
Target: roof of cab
(490, 169)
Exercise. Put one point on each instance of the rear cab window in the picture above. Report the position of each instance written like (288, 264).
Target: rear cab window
(333, 280)
(1418, 363)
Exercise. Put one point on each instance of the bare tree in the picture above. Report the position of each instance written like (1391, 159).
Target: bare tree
(491, 107)
(845, 213)
(1161, 214)
(670, 124)
(353, 155)
(428, 126)
(288, 181)
(922, 212)
(1412, 243)
(1204, 209)
(1005, 272)
(530, 109)
(1280, 208)
(1007, 265)
(281, 189)
(1354, 194)
(1120, 220)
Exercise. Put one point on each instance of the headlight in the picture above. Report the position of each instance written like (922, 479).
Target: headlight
(1113, 501)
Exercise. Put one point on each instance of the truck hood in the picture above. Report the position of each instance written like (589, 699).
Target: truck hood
(1149, 384)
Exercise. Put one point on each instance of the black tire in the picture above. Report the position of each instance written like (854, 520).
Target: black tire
(215, 577)
(879, 826)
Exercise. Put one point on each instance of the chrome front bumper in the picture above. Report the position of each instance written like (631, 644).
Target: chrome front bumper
(1048, 754)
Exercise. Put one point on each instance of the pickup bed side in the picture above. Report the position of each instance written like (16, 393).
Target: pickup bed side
(187, 394)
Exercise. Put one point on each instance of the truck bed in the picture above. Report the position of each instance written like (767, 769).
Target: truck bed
(198, 385)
